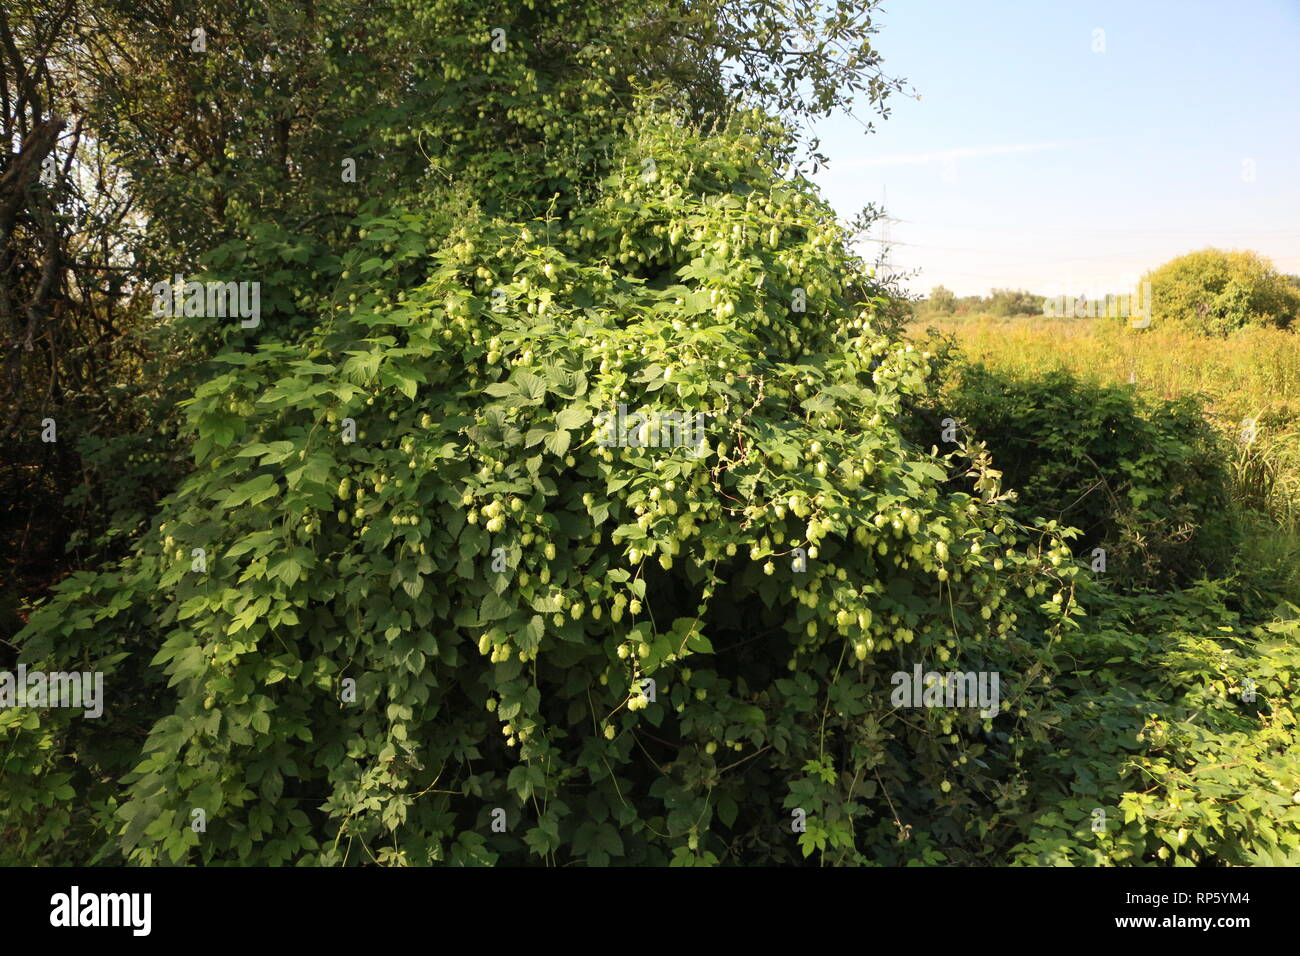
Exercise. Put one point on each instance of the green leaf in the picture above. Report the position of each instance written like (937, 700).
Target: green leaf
(557, 443)
(573, 417)
(254, 491)
(493, 608)
(727, 810)
(531, 387)
(287, 570)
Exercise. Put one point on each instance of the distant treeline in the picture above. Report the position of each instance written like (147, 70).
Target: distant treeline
(1215, 289)
(1010, 302)
(998, 302)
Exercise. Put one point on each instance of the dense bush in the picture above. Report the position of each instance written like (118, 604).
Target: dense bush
(499, 585)
(374, 560)
(1167, 736)
(279, 123)
(1149, 485)
(400, 603)
(1217, 292)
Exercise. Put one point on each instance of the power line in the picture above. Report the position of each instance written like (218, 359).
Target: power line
(1072, 231)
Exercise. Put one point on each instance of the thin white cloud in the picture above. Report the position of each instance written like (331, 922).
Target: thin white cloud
(963, 152)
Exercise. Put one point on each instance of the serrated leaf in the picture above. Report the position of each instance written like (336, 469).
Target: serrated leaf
(493, 608)
(573, 417)
(557, 442)
(531, 387)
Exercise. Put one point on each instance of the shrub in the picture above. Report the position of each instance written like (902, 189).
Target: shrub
(431, 643)
(1171, 740)
(1218, 292)
(1148, 483)
(499, 586)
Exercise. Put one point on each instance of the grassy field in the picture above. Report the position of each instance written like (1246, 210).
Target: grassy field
(1249, 382)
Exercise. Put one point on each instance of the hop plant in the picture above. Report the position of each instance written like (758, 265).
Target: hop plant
(794, 666)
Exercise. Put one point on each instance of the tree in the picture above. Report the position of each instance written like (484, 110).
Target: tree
(72, 352)
(1218, 291)
(942, 300)
(1009, 302)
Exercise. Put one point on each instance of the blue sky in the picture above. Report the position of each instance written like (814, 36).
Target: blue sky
(1031, 161)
